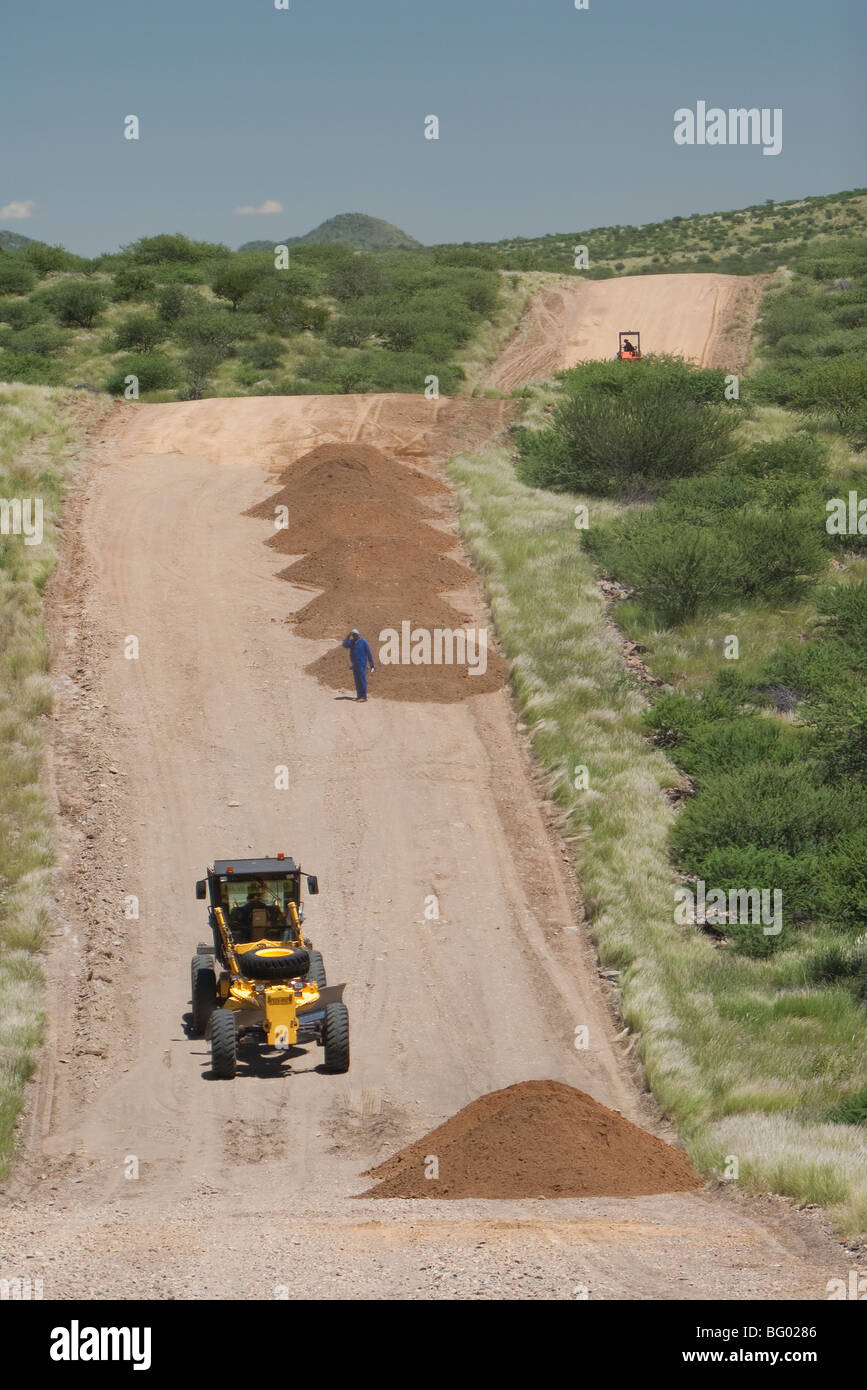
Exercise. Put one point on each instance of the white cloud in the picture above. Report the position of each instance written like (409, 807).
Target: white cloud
(269, 205)
(18, 209)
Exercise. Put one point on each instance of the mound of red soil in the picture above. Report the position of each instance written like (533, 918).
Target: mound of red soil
(374, 548)
(353, 455)
(380, 561)
(535, 1139)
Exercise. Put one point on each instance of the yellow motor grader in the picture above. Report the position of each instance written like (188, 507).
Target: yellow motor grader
(261, 979)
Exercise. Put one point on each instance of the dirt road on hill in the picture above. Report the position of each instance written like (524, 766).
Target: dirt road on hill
(134, 1161)
(705, 318)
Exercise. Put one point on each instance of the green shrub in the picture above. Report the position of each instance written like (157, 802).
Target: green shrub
(16, 276)
(838, 717)
(356, 277)
(216, 329)
(155, 250)
(42, 338)
(264, 353)
(233, 280)
(154, 370)
(46, 260)
(200, 363)
(133, 282)
(75, 303)
(31, 367)
(139, 332)
(22, 313)
(175, 302)
(780, 552)
(790, 314)
(679, 569)
(769, 806)
(837, 388)
(544, 458)
(729, 744)
(706, 498)
(745, 866)
(639, 426)
(844, 608)
(801, 454)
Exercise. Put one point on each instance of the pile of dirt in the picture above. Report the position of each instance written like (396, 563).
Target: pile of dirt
(372, 534)
(535, 1139)
(354, 455)
(360, 560)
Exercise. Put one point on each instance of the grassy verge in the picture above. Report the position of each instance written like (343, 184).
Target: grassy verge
(746, 1054)
(36, 438)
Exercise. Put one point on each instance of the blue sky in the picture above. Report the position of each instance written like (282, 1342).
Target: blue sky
(551, 119)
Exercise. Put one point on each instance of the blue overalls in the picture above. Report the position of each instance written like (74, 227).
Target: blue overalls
(361, 657)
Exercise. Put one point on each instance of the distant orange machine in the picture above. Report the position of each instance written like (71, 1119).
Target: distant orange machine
(629, 349)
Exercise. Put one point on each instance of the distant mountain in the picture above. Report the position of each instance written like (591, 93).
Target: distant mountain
(14, 241)
(353, 229)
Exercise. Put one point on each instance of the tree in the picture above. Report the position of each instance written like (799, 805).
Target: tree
(140, 332)
(233, 282)
(76, 303)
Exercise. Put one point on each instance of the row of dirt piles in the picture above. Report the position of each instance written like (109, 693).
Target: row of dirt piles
(372, 535)
(535, 1139)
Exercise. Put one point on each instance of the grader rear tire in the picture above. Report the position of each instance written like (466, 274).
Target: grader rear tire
(224, 1044)
(335, 1038)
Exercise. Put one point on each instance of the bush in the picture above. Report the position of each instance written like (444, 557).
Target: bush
(175, 302)
(780, 552)
(679, 569)
(139, 332)
(837, 388)
(233, 281)
(16, 276)
(264, 353)
(355, 278)
(46, 260)
(768, 806)
(544, 458)
(177, 249)
(801, 454)
(637, 426)
(30, 367)
(218, 330)
(200, 363)
(844, 608)
(790, 314)
(729, 744)
(154, 370)
(798, 877)
(133, 282)
(76, 303)
(42, 338)
(22, 313)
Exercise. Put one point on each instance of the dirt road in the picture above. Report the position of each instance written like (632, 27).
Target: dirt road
(705, 318)
(136, 1165)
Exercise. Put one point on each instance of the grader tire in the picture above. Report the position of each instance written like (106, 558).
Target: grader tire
(203, 992)
(224, 1044)
(335, 1038)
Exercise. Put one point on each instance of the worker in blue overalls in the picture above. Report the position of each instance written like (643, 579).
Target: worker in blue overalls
(361, 657)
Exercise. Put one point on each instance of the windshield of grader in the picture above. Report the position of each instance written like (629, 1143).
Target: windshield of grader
(239, 897)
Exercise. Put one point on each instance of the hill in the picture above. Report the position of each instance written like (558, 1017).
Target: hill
(353, 229)
(14, 241)
(745, 241)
